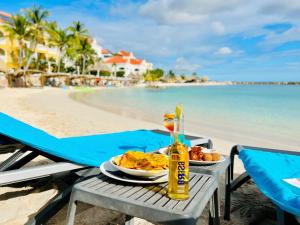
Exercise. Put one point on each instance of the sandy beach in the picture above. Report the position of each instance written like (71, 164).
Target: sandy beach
(53, 111)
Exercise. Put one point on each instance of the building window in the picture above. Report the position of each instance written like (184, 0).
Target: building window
(122, 68)
(2, 52)
(136, 70)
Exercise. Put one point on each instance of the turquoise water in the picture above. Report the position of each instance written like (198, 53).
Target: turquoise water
(267, 115)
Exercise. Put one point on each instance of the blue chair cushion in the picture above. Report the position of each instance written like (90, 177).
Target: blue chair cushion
(87, 150)
(268, 169)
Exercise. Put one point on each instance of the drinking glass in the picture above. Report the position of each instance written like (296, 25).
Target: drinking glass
(168, 123)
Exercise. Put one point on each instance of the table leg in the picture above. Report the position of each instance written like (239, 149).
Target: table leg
(129, 220)
(71, 212)
(216, 207)
(214, 213)
(211, 202)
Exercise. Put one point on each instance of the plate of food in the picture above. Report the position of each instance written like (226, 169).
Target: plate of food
(200, 155)
(109, 170)
(141, 164)
(203, 156)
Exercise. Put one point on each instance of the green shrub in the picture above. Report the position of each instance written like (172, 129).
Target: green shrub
(120, 73)
(104, 73)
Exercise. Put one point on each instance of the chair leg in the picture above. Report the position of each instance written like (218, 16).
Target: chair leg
(56, 203)
(227, 195)
(239, 181)
(233, 153)
(61, 199)
(23, 161)
(11, 160)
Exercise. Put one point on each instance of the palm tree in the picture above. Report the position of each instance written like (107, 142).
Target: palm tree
(78, 30)
(60, 39)
(18, 29)
(36, 17)
(84, 52)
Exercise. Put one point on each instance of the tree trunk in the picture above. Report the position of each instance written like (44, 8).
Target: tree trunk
(58, 58)
(29, 61)
(20, 58)
(31, 56)
(83, 66)
(20, 55)
(49, 65)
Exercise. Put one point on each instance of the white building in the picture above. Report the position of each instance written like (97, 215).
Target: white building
(122, 61)
(128, 63)
(101, 52)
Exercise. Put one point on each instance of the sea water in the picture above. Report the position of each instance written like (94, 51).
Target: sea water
(267, 115)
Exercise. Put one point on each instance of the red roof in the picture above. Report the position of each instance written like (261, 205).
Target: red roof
(124, 53)
(136, 61)
(5, 14)
(104, 51)
(116, 59)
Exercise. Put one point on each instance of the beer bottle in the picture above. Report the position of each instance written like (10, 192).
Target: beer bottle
(178, 187)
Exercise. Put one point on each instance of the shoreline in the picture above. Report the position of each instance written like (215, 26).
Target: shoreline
(209, 83)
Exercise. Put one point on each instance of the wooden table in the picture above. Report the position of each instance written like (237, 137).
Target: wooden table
(149, 202)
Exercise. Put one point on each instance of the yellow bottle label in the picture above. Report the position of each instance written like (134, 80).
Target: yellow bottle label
(178, 172)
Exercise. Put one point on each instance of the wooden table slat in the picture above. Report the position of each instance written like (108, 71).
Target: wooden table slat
(106, 187)
(99, 184)
(122, 191)
(158, 195)
(89, 182)
(116, 188)
(142, 192)
(163, 201)
(131, 191)
(181, 205)
(202, 192)
(151, 193)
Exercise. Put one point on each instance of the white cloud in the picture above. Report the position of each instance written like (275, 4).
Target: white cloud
(163, 14)
(218, 27)
(223, 14)
(184, 66)
(224, 51)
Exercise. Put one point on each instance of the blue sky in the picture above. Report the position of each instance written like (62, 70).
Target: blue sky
(226, 40)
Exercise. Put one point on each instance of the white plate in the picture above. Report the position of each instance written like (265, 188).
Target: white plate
(139, 173)
(197, 162)
(107, 169)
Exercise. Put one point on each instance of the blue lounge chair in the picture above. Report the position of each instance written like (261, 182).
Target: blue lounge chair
(78, 157)
(268, 168)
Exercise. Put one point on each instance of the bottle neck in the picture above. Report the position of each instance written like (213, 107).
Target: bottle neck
(179, 130)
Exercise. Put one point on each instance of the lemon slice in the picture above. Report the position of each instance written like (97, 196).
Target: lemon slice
(178, 111)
